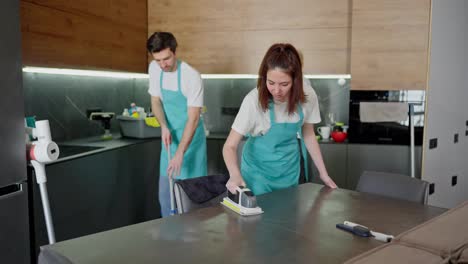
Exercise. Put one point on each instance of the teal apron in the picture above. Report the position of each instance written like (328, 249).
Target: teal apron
(176, 113)
(272, 161)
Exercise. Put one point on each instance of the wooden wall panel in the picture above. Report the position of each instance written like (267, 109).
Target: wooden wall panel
(85, 34)
(221, 36)
(389, 46)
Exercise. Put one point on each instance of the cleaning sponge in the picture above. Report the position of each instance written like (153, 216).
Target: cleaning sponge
(152, 122)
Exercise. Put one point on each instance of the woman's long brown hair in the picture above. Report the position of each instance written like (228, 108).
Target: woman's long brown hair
(283, 57)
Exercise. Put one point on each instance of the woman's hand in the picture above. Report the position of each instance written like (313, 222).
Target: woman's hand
(234, 182)
(328, 181)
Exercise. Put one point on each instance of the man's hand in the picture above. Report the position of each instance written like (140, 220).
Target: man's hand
(234, 182)
(166, 137)
(173, 170)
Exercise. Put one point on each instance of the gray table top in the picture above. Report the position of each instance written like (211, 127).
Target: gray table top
(298, 226)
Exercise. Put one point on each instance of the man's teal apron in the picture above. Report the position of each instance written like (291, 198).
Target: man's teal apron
(272, 161)
(176, 113)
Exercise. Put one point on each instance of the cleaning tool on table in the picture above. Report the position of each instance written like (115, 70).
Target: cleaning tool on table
(364, 231)
(243, 202)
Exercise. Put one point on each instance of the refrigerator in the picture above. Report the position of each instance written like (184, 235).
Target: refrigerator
(14, 216)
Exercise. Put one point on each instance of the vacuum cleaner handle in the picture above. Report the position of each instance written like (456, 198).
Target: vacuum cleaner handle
(171, 183)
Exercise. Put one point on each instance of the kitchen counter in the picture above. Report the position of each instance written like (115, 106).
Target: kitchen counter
(94, 145)
(98, 145)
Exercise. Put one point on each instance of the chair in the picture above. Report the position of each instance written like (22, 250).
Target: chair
(393, 185)
(201, 192)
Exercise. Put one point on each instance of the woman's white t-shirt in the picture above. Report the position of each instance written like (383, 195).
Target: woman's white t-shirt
(251, 120)
(191, 83)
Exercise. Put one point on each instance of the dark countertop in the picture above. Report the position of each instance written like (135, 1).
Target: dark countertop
(94, 145)
(298, 226)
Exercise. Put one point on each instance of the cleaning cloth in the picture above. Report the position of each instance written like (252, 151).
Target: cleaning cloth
(205, 188)
(152, 122)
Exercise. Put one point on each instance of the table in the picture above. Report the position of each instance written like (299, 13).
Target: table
(298, 226)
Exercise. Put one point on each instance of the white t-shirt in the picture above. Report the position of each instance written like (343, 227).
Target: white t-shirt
(252, 120)
(191, 83)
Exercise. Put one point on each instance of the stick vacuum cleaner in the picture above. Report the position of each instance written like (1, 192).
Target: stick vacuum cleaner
(243, 202)
(39, 153)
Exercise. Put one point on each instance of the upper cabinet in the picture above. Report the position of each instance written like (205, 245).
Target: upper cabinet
(389, 44)
(225, 36)
(85, 34)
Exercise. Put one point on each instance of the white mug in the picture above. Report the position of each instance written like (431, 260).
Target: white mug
(324, 132)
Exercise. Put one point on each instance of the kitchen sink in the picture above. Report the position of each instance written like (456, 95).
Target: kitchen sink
(70, 150)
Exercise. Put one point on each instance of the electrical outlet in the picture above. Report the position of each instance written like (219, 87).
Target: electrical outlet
(433, 143)
(431, 188)
(454, 180)
(455, 138)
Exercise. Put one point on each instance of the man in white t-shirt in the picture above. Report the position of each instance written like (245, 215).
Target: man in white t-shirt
(176, 91)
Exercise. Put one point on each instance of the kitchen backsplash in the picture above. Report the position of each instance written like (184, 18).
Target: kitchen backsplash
(63, 100)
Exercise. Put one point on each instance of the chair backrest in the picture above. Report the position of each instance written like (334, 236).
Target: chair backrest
(201, 192)
(393, 185)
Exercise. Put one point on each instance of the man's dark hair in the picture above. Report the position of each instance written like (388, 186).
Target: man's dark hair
(160, 41)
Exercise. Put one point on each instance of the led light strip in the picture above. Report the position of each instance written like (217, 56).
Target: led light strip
(254, 76)
(111, 74)
(128, 75)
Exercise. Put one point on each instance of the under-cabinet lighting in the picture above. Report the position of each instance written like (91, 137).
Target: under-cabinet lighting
(255, 76)
(110, 74)
(129, 75)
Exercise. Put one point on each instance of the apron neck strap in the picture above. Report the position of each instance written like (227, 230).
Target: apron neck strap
(179, 74)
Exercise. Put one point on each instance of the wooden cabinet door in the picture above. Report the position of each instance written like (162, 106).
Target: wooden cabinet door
(389, 44)
(85, 34)
(223, 36)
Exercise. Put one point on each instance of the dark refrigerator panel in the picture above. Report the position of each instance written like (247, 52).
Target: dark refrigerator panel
(13, 150)
(14, 218)
(14, 224)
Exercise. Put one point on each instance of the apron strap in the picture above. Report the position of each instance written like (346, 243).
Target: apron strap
(302, 146)
(271, 108)
(179, 74)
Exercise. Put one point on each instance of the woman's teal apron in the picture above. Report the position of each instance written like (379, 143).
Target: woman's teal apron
(272, 161)
(176, 113)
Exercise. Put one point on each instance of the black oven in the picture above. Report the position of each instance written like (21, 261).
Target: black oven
(390, 133)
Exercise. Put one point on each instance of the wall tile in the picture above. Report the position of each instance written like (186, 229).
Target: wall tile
(63, 100)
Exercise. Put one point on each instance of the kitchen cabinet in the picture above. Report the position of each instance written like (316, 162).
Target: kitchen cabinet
(346, 162)
(385, 158)
(389, 44)
(216, 163)
(335, 159)
(232, 36)
(85, 34)
(99, 192)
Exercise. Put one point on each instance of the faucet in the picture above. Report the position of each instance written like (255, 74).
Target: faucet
(105, 118)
